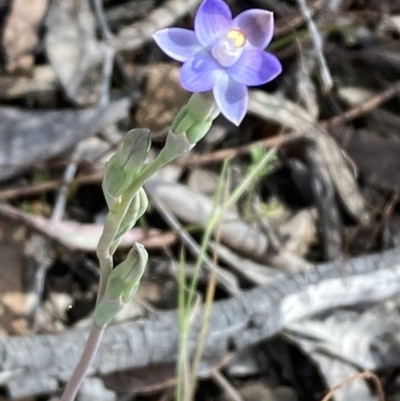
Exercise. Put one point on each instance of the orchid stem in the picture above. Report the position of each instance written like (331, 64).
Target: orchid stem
(176, 145)
(82, 368)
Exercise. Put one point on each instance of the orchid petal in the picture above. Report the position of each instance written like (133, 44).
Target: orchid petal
(200, 73)
(213, 19)
(231, 98)
(257, 25)
(180, 44)
(255, 67)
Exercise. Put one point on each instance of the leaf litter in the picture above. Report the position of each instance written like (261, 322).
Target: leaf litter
(330, 195)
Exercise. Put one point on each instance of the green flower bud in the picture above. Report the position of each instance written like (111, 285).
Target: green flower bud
(202, 106)
(115, 182)
(183, 121)
(134, 149)
(198, 131)
(122, 285)
(125, 164)
(136, 210)
(196, 117)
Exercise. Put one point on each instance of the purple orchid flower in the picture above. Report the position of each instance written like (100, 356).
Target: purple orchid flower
(224, 55)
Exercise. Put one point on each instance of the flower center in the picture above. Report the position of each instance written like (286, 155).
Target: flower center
(228, 49)
(238, 38)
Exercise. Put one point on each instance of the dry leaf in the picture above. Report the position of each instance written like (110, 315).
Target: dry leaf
(21, 34)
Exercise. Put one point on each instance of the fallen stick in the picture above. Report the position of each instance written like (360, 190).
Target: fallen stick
(37, 364)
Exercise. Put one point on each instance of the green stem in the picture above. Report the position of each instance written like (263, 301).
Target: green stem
(81, 369)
